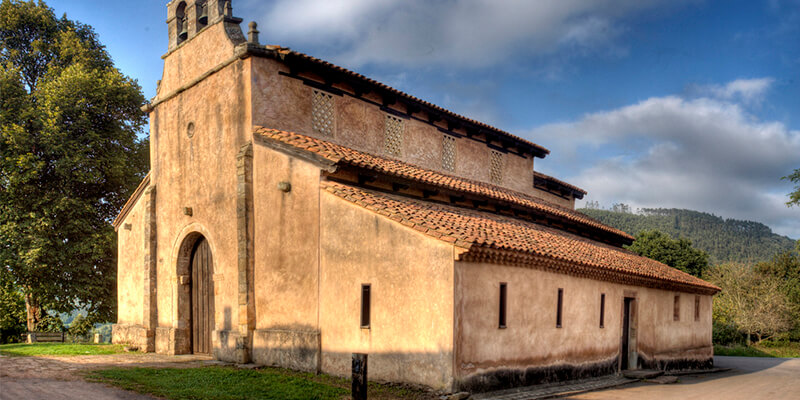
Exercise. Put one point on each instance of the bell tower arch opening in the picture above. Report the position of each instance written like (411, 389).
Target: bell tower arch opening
(181, 23)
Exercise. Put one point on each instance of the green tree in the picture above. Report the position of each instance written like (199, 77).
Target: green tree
(676, 253)
(794, 196)
(80, 326)
(12, 311)
(69, 157)
(785, 267)
(725, 240)
(749, 300)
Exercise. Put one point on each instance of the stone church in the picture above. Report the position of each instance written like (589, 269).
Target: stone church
(297, 212)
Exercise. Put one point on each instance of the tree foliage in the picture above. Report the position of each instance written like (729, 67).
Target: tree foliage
(794, 196)
(12, 311)
(80, 326)
(69, 157)
(725, 240)
(677, 253)
(750, 300)
(785, 267)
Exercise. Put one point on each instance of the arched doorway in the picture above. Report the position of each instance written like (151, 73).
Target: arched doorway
(201, 268)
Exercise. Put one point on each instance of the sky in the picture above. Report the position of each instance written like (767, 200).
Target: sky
(652, 103)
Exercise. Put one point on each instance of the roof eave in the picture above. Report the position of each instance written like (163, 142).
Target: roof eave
(553, 264)
(131, 202)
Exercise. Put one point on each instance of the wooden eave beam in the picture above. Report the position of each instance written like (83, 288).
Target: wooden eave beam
(426, 193)
(388, 99)
(366, 178)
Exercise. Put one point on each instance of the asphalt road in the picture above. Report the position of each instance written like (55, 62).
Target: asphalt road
(750, 378)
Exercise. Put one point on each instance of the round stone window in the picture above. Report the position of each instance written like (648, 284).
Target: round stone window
(190, 130)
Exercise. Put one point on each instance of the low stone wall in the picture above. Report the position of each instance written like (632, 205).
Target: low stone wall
(299, 350)
(134, 335)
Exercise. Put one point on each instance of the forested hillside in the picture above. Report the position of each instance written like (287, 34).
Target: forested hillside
(723, 239)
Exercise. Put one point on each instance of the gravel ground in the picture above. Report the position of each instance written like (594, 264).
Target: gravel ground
(61, 377)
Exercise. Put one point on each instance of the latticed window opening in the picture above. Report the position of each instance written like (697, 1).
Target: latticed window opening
(496, 166)
(322, 113)
(448, 153)
(393, 139)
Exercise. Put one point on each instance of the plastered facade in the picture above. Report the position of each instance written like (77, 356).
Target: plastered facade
(531, 346)
(285, 103)
(411, 278)
(289, 258)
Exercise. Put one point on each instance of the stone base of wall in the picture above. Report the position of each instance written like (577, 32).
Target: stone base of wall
(230, 346)
(700, 358)
(428, 369)
(298, 350)
(134, 335)
(504, 378)
(172, 341)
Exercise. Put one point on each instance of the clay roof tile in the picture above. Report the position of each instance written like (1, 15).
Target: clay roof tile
(341, 154)
(459, 225)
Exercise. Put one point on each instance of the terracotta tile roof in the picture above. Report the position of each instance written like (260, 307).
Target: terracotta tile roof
(284, 51)
(126, 208)
(340, 154)
(539, 175)
(476, 230)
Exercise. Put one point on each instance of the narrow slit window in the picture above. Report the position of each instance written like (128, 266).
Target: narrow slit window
(365, 305)
(393, 136)
(323, 117)
(448, 153)
(496, 166)
(602, 309)
(697, 308)
(560, 306)
(503, 304)
(676, 309)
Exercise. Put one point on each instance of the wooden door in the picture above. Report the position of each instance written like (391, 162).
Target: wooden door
(202, 268)
(626, 329)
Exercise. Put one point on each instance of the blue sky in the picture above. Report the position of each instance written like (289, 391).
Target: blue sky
(654, 103)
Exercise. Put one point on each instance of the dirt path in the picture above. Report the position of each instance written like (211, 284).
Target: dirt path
(61, 377)
(52, 389)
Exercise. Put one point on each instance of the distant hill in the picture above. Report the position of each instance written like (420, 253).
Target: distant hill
(723, 239)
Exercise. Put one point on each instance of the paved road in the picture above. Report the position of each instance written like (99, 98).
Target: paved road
(751, 378)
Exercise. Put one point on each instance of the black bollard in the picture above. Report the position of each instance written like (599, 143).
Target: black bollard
(359, 376)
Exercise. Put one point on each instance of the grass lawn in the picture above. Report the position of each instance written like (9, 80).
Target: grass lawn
(58, 349)
(223, 383)
(767, 349)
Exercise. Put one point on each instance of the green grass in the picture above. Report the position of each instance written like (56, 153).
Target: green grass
(58, 349)
(224, 383)
(763, 349)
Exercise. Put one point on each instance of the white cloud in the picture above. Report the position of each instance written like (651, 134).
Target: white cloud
(465, 33)
(703, 154)
(746, 90)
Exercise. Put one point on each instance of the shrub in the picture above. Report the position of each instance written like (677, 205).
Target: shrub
(726, 334)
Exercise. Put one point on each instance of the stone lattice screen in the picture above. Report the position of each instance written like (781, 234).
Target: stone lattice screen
(448, 153)
(393, 139)
(322, 113)
(496, 166)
